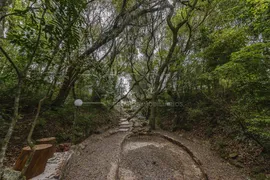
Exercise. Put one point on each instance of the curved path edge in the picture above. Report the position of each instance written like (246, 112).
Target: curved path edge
(101, 156)
(178, 143)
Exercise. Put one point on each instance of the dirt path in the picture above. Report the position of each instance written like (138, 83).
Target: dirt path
(152, 157)
(160, 156)
(96, 158)
(214, 166)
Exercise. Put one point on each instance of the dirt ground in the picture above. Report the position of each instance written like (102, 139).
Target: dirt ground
(118, 156)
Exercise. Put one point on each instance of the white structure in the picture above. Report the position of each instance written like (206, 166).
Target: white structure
(78, 102)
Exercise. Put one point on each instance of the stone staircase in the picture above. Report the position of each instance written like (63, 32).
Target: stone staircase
(124, 125)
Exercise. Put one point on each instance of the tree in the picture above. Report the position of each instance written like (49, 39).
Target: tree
(175, 26)
(25, 48)
(121, 21)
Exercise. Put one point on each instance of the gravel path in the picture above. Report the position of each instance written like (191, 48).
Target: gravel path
(161, 156)
(214, 166)
(151, 157)
(96, 158)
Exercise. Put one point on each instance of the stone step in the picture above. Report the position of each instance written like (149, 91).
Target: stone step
(124, 123)
(123, 130)
(125, 126)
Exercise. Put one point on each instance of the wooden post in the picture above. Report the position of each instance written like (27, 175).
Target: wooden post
(39, 160)
(49, 140)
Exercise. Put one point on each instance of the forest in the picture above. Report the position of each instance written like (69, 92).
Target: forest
(201, 67)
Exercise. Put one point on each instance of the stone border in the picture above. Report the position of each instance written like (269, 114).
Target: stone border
(129, 134)
(178, 143)
(65, 166)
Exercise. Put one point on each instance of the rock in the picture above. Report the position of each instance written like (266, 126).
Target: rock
(73, 147)
(236, 163)
(143, 133)
(148, 129)
(112, 132)
(82, 146)
(63, 147)
(11, 174)
(57, 176)
(135, 131)
(144, 124)
(137, 124)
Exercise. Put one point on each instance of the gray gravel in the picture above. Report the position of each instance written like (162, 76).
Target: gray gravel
(153, 158)
(98, 159)
(214, 166)
(105, 156)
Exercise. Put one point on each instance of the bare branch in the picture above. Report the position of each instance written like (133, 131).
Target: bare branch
(11, 62)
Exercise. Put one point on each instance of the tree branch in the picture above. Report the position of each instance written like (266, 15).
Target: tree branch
(11, 62)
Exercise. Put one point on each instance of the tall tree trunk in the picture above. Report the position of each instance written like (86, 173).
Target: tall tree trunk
(209, 87)
(2, 25)
(152, 120)
(56, 77)
(66, 86)
(12, 125)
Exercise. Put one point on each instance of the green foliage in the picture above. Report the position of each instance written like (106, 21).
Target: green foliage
(259, 126)
(224, 81)
(223, 44)
(88, 120)
(219, 68)
(248, 74)
(41, 122)
(119, 4)
(60, 115)
(261, 176)
(195, 114)
(84, 125)
(63, 137)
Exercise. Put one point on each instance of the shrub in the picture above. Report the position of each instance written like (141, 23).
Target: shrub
(195, 114)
